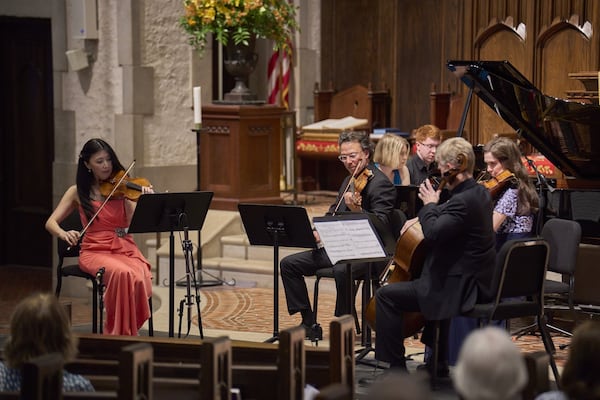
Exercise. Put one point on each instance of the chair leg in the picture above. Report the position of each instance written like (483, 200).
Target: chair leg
(354, 312)
(436, 355)
(94, 306)
(316, 299)
(150, 322)
(549, 346)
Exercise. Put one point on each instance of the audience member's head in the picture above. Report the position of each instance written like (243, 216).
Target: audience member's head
(490, 367)
(39, 325)
(401, 386)
(581, 377)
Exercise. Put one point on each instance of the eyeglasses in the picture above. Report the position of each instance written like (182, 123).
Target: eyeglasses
(429, 146)
(344, 157)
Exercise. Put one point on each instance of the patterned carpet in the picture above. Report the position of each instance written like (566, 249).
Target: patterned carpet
(251, 309)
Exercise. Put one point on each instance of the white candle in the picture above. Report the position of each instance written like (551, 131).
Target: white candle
(197, 105)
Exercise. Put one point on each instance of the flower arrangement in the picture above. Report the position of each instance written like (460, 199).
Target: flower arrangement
(239, 20)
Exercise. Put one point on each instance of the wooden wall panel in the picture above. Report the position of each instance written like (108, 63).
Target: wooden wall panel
(405, 44)
(504, 43)
(564, 47)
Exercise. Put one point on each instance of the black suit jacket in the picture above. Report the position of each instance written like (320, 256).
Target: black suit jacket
(460, 237)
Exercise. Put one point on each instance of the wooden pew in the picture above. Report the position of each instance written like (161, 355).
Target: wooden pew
(177, 363)
(180, 363)
(538, 364)
(43, 378)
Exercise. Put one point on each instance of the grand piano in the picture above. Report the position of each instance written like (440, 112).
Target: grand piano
(567, 133)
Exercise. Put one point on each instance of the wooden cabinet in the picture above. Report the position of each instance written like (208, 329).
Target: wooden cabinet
(239, 150)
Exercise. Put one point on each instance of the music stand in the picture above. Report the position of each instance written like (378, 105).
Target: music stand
(407, 200)
(383, 243)
(277, 225)
(162, 212)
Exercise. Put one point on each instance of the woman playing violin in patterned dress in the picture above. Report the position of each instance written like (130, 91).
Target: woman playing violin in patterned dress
(105, 244)
(516, 206)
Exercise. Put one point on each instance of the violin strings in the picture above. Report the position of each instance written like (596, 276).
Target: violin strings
(354, 174)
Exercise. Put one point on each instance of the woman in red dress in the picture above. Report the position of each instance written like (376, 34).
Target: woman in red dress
(105, 242)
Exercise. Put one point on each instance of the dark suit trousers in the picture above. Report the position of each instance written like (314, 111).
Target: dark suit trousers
(296, 266)
(391, 302)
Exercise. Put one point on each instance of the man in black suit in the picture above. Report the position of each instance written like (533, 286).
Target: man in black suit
(378, 197)
(458, 266)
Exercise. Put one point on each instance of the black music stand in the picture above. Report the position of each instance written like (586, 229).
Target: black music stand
(407, 200)
(165, 212)
(386, 243)
(277, 225)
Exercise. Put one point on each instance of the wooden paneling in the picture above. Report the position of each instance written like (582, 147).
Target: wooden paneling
(405, 45)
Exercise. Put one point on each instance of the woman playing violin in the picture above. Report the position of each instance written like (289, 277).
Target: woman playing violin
(516, 205)
(105, 242)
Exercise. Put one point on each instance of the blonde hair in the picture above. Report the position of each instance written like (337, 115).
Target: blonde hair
(453, 151)
(39, 325)
(427, 131)
(389, 149)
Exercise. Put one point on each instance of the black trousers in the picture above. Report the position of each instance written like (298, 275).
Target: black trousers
(296, 266)
(392, 301)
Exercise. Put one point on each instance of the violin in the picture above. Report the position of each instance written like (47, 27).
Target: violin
(497, 185)
(120, 185)
(360, 182)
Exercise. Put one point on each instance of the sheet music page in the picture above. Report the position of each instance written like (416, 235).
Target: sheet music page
(349, 240)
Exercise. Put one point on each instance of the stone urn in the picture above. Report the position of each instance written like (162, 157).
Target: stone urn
(240, 61)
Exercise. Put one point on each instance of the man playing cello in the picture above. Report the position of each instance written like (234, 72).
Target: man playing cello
(458, 266)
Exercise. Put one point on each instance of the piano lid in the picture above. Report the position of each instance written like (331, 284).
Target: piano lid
(566, 132)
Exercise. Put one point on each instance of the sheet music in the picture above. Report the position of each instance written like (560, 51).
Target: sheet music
(349, 240)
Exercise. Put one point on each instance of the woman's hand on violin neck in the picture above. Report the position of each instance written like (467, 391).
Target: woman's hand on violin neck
(71, 237)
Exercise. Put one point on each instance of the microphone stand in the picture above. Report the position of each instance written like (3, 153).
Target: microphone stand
(541, 184)
(188, 299)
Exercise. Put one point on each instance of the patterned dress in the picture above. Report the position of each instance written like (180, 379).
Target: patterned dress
(127, 274)
(10, 381)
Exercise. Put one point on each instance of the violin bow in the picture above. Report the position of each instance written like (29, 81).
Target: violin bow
(354, 174)
(107, 198)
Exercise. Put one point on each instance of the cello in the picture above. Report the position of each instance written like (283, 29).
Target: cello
(407, 263)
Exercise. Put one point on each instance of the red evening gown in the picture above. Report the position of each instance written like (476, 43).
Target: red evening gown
(127, 274)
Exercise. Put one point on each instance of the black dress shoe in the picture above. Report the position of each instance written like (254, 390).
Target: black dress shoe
(313, 332)
(442, 370)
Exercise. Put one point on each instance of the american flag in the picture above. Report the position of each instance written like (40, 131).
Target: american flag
(279, 74)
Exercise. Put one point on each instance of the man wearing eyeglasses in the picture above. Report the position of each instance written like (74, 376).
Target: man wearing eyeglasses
(422, 163)
(378, 197)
